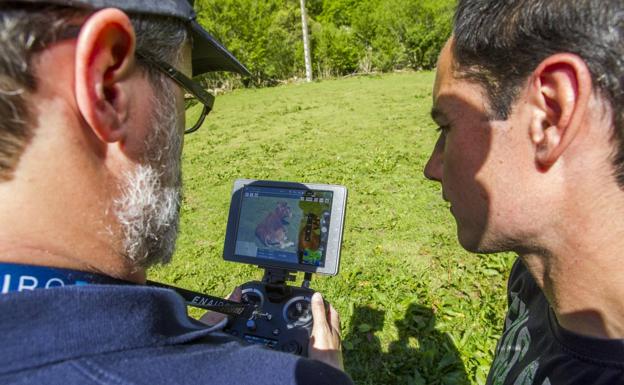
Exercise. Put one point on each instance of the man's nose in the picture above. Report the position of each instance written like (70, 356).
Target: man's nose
(433, 168)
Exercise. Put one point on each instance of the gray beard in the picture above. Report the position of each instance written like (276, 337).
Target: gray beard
(148, 208)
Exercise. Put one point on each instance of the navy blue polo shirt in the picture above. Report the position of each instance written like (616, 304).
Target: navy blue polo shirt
(126, 334)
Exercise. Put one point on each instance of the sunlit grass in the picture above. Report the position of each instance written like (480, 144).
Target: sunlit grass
(415, 307)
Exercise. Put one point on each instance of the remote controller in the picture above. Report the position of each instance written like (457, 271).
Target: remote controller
(282, 320)
(284, 228)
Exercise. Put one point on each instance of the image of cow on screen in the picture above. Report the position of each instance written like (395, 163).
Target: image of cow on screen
(268, 227)
(272, 231)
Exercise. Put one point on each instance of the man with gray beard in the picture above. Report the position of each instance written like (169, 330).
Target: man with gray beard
(91, 126)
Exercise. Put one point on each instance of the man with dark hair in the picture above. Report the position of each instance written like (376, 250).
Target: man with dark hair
(529, 100)
(91, 126)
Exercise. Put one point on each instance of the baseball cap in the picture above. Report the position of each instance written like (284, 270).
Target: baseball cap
(208, 54)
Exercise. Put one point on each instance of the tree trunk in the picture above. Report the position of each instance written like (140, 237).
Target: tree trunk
(306, 42)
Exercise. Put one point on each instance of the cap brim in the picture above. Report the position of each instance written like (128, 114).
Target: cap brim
(209, 55)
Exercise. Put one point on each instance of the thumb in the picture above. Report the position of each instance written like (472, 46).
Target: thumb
(318, 314)
(318, 306)
(324, 343)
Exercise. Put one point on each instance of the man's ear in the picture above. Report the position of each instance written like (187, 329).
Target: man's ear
(559, 92)
(104, 58)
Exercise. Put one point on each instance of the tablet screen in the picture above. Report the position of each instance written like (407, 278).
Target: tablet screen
(286, 225)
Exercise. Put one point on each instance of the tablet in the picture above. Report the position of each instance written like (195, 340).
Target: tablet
(286, 225)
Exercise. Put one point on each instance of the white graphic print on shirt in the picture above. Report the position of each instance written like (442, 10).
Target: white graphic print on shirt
(513, 347)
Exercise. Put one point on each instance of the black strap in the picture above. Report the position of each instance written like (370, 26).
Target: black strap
(203, 301)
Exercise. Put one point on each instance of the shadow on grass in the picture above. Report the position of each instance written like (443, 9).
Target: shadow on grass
(422, 355)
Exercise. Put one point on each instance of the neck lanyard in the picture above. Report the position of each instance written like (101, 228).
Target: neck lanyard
(14, 277)
(20, 278)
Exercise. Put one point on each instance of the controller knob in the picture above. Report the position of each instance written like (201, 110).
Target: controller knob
(299, 312)
(291, 347)
(251, 325)
(252, 296)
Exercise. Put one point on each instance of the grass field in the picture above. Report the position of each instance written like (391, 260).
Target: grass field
(415, 307)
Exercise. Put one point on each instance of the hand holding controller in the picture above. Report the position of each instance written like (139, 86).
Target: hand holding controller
(325, 339)
(291, 319)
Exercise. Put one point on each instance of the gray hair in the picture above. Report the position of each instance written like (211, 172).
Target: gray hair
(498, 43)
(149, 205)
(26, 30)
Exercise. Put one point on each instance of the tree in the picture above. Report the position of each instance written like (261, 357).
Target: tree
(306, 41)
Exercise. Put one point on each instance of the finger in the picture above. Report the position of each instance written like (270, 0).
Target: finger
(319, 327)
(211, 318)
(334, 319)
(236, 294)
(325, 342)
(318, 307)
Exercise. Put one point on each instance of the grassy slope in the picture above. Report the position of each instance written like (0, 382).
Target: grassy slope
(415, 307)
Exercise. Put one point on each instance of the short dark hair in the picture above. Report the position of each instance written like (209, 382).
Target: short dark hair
(25, 30)
(498, 43)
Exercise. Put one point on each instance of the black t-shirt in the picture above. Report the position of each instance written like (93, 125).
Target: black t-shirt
(535, 350)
